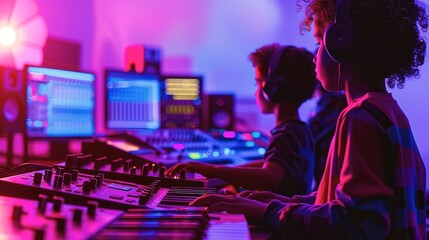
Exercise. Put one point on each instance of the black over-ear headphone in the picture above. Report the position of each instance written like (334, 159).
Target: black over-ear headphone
(276, 82)
(339, 35)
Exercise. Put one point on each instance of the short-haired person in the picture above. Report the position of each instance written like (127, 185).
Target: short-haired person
(374, 181)
(285, 78)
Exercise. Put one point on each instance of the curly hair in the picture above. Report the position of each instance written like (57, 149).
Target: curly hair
(296, 65)
(387, 37)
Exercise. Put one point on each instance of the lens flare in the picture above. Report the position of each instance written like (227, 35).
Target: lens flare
(7, 36)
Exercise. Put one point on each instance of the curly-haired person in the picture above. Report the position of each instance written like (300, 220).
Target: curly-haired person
(374, 180)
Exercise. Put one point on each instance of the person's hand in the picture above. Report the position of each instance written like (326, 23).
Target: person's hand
(253, 210)
(265, 196)
(192, 166)
(175, 169)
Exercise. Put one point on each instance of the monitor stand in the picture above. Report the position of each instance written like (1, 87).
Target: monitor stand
(10, 149)
(58, 149)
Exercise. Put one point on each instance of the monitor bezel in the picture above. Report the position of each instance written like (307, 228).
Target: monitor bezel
(164, 77)
(59, 137)
(120, 71)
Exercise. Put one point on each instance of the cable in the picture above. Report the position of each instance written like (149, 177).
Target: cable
(339, 86)
(28, 167)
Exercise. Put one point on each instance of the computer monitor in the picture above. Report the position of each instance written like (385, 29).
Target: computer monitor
(60, 103)
(131, 100)
(181, 101)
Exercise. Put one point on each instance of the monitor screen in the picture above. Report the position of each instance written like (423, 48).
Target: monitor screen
(181, 104)
(60, 103)
(132, 100)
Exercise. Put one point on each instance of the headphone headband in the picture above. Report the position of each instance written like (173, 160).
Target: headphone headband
(342, 11)
(339, 35)
(275, 83)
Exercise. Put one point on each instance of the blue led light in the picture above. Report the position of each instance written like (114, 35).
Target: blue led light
(256, 134)
(249, 143)
(261, 151)
(226, 151)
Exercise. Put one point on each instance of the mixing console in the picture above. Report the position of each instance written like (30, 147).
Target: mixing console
(190, 144)
(175, 224)
(129, 170)
(164, 146)
(38, 220)
(246, 145)
(78, 188)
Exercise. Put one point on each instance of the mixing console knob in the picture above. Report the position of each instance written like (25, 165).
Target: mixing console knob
(61, 224)
(37, 178)
(67, 178)
(99, 179)
(48, 175)
(182, 174)
(17, 214)
(145, 171)
(91, 208)
(117, 163)
(58, 181)
(58, 203)
(94, 182)
(87, 186)
(161, 171)
(100, 162)
(133, 170)
(127, 165)
(39, 233)
(70, 160)
(77, 216)
(42, 201)
(83, 160)
(101, 176)
(60, 171)
(74, 173)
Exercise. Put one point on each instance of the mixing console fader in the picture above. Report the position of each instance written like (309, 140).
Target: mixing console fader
(41, 219)
(78, 188)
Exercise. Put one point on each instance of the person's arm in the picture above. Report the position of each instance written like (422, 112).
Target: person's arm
(367, 219)
(267, 196)
(254, 163)
(266, 178)
(361, 208)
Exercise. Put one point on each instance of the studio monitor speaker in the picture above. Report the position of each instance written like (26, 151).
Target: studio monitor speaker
(12, 101)
(218, 111)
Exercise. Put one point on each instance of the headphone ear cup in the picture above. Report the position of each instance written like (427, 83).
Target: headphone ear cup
(274, 89)
(338, 39)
